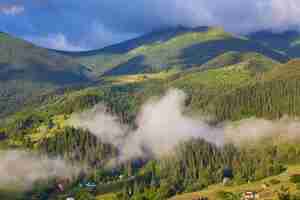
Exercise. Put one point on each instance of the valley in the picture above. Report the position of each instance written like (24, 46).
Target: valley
(217, 101)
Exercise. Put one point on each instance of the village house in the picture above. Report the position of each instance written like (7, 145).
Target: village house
(227, 175)
(250, 196)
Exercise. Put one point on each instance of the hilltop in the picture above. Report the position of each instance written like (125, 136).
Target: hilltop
(254, 60)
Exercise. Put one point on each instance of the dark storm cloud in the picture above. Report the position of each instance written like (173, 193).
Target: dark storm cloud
(87, 24)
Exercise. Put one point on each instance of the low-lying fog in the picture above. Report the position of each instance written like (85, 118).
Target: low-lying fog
(162, 124)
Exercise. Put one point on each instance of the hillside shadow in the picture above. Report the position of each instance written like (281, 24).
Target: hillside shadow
(199, 54)
(44, 74)
(132, 66)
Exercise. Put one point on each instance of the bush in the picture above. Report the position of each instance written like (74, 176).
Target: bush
(295, 196)
(228, 196)
(284, 194)
(298, 186)
(295, 178)
(194, 187)
(84, 195)
(274, 181)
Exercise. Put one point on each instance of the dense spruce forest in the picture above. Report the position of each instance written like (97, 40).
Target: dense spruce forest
(196, 163)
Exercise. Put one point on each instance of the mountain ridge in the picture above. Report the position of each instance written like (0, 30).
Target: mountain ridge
(26, 69)
(174, 47)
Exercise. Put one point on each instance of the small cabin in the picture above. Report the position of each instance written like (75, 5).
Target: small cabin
(250, 196)
(90, 185)
(227, 175)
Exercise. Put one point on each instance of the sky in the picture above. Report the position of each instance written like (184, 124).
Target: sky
(77, 25)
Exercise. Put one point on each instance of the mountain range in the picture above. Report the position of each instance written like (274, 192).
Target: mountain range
(27, 70)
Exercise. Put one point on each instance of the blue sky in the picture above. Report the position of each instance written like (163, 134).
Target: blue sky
(89, 24)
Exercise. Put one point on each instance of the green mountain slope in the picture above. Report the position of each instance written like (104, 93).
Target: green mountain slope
(172, 48)
(27, 70)
(233, 75)
(255, 60)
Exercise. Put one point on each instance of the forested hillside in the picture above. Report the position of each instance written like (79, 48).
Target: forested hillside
(273, 97)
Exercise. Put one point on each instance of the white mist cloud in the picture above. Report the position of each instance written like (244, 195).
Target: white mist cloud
(21, 169)
(253, 130)
(98, 36)
(162, 125)
(102, 124)
(101, 36)
(56, 41)
(11, 10)
(234, 15)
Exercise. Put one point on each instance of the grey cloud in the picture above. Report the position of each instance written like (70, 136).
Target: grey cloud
(55, 41)
(11, 9)
(233, 15)
(95, 24)
(119, 20)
